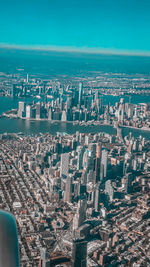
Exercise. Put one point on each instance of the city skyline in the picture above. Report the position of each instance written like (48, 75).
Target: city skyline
(75, 163)
(74, 133)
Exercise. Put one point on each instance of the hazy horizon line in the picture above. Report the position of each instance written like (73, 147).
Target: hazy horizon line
(73, 49)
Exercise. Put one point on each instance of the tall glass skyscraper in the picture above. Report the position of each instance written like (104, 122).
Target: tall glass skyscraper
(80, 93)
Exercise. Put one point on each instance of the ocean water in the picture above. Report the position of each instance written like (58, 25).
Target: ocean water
(72, 64)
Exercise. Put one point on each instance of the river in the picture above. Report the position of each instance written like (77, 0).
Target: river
(8, 125)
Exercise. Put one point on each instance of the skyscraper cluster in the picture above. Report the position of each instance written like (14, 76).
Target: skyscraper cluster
(82, 198)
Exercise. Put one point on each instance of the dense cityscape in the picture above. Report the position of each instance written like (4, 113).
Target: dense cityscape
(81, 192)
(79, 102)
(75, 133)
(79, 199)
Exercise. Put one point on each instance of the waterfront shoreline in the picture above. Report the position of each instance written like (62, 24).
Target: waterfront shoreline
(135, 128)
(82, 123)
(86, 124)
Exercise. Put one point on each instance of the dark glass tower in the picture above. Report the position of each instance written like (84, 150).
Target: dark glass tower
(79, 253)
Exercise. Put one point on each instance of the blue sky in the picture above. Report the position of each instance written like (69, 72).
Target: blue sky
(114, 25)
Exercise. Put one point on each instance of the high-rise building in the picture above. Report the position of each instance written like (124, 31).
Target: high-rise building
(134, 164)
(79, 252)
(80, 93)
(64, 116)
(50, 114)
(68, 189)
(109, 190)
(97, 163)
(104, 163)
(97, 198)
(80, 152)
(80, 215)
(28, 112)
(38, 111)
(44, 262)
(64, 165)
(128, 182)
(100, 105)
(121, 113)
(84, 177)
(21, 109)
(90, 176)
(88, 160)
(135, 113)
(13, 90)
(119, 132)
